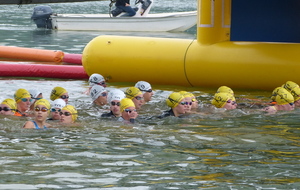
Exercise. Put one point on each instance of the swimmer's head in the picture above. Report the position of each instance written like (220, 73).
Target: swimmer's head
(58, 103)
(220, 99)
(57, 92)
(11, 103)
(174, 99)
(186, 94)
(132, 92)
(284, 98)
(115, 94)
(296, 93)
(43, 102)
(290, 85)
(143, 86)
(97, 91)
(126, 103)
(72, 110)
(97, 79)
(21, 93)
(225, 89)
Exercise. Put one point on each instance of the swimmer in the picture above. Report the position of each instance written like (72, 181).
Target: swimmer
(177, 105)
(224, 100)
(146, 89)
(99, 95)
(8, 107)
(68, 114)
(296, 94)
(95, 79)
(35, 95)
(114, 98)
(41, 112)
(59, 92)
(136, 96)
(128, 111)
(56, 107)
(284, 102)
(23, 99)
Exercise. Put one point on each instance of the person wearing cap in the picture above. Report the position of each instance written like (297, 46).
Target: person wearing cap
(296, 94)
(284, 102)
(8, 107)
(68, 114)
(41, 113)
(95, 79)
(136, 96)
(128, 111)
(99, 95)
(188, 97)
(225, 89)
(290, 85)
(23, 99)
(146, 89)
(177, 105)
(224, 100)
(56, 107)
(114, 98)
(35, 95)
(59, 92)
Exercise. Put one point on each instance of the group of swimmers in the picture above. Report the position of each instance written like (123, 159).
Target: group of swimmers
(125, 105)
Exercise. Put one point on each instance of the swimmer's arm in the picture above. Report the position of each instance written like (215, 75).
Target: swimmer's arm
(28, 125)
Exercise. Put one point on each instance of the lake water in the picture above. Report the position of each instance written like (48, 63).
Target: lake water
(238, 149)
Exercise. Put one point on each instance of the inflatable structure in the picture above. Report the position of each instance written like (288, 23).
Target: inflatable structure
(241, 44)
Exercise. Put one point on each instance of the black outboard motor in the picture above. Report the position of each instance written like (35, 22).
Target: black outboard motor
(41, 16)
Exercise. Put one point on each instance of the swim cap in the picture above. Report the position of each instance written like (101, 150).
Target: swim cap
(284, 98)
(34, 93)
(220, 99)
(174, 99)
(225, 89)
(186, 94)
(289, 85)
(43, 102)
(57, 92)
(96, 79)
(276, 91)
(126, 103)
(58, 103)
(132, 92)
(296, 93)
(21, 93)
(143, 85)
(115, 94)
(96, 91)
(72, 110)
(11, 103)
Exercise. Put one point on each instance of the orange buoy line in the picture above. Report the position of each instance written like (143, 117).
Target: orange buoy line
(44, 71)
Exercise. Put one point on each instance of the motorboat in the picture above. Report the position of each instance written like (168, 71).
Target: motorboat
(117, 20)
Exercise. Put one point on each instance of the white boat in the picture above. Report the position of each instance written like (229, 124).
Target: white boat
(142, 21)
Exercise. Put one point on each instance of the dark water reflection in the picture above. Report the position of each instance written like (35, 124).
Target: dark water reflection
(238, 149)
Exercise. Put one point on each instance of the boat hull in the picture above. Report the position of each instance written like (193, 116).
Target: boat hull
(164, 22)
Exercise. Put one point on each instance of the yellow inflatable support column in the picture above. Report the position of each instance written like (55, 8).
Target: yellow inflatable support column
(131, 59)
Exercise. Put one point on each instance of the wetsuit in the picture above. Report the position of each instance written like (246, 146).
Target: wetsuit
(37, 127)
(109, 114)
(167, 114)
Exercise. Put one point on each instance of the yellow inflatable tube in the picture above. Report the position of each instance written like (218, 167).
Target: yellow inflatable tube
(130, 59)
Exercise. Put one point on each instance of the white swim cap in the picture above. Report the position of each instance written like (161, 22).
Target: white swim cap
(34, 93)
(58, 103)
(115, 94)
(143, 86)
(96, 91)
(96, 79)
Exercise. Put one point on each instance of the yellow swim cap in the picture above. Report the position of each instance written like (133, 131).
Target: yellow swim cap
(125, 103)
(277, 91)
(21, 93)
(11, 104)
(186, 94)
(72, 110)
(284, 98)
(296, 93)
(220, 99)
(132, 92)
(43, 102)
(174, 99)
(225, 89)
(57, 92)
(289, 85)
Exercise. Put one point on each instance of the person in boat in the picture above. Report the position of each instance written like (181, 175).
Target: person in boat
(114, 98)
(146, 89)
(35, 95)
(8, 107)
(99, 95)
(178, 107)
(59, 92)
(224, 100)
(128, 111)
(56, 107)
(41, 113)
(95, 79)
(136, 96)
(23, 99)
(68, 114)
(125, 6)
(284, 101)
